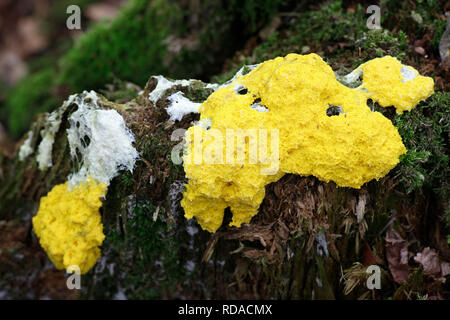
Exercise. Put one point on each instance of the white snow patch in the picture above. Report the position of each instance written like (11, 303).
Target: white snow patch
(180, 106)
(102, 139)
(26, 149)
(213, 86)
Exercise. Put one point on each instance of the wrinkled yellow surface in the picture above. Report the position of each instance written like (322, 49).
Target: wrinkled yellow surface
(69, 226)
(350, 149)
(383, 79)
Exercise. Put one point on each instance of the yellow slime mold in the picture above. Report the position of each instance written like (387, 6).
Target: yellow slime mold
(392, 84)
(292, 95)
(69, 226)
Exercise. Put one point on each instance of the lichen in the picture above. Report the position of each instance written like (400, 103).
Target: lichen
(69, 226)
(350, 147)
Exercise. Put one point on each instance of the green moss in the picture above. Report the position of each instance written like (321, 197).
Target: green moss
(330, 26)
(144, 246)
(133, 47)
(30, 96)
(130, 48)
(120, 91)
(153, 242)
(378, 43)
(425, 131)
(332, 23)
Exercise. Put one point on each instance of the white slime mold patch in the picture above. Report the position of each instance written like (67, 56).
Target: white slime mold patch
(100, 141)
(26, 149)
(180, 106)
(353, 76)
(52, 123)
(164, 85)
(408, 73)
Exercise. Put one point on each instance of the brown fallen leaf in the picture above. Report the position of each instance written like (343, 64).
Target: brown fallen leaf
(397, 255)
(432, 264)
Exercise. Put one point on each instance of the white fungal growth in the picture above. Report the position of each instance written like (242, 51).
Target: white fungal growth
(180, 106)
(45, 148)
(259, 107)
(204, 123)
(242, 71)
(163, 85)
(100, 141)
(408, 73)
(51, 127)
(353, 76)
(26, 149)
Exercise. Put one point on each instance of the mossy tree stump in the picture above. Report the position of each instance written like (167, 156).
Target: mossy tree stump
(310, 239)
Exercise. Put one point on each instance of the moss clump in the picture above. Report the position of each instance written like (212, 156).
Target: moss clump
(425, 131)
(130, 48)
(147, 251)
(29, 97)
(332, 22)
(378, 43)
(338, 34)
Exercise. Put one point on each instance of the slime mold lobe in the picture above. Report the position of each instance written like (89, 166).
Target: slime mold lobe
(350, 146)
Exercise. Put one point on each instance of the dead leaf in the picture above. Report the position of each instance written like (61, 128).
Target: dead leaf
(397, 255)
(432, 264)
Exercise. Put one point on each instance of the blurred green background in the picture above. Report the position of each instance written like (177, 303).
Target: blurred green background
(42, 62)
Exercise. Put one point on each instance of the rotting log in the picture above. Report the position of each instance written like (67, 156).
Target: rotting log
(310, 239)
